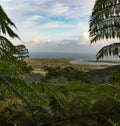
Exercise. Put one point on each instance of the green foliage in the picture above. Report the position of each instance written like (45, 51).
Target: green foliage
(5, 25)
(26, 103)
(11, 72)
(11, 109)
(115, 77)
(104, 24)
(110, 50)
(69, 73)
(13, 112)
(93, 105)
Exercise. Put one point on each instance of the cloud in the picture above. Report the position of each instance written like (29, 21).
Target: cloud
(72, 40)
(78, 8)
(35, 41)
(47, 11)
(84, 39)
(66, 9)
(59, 25)
(35, 17)
(55, 24)
(58, 9)
(73, 44)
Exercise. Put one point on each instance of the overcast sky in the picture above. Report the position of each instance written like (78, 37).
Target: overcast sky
(52, 25)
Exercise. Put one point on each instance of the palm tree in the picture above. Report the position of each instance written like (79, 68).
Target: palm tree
(105, 24)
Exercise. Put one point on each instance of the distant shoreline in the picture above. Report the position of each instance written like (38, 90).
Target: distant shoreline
(79, 61)
(94, 62)
(75, 58)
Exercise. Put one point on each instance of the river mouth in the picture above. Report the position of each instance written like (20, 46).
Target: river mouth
(94, 62)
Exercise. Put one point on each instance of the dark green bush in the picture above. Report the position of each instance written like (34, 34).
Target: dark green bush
(69, 73)
(115, 77)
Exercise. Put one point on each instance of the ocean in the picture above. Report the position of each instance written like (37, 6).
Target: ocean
(76, 58)
(62, 55)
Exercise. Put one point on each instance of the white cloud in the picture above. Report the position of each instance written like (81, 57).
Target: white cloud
(65, 10)
(55, 24)
(49, 24)
(82, 26)
(84, 6)
(84, 39)
(68, 8)
(72, 40)
(35, 41)
(35, 17)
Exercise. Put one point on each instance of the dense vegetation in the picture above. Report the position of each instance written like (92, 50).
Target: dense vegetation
(68, 73)
(24, 102)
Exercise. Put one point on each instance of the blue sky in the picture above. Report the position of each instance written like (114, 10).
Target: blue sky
(52, 25)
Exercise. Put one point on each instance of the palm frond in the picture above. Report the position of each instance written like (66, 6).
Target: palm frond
(13, 54)
(5, 25)
(21, 51)
(109, 50)
(104, 21)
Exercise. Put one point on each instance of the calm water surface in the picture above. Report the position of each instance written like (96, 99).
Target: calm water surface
(77, 58)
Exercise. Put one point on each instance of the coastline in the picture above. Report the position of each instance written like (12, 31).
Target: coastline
(78, 61)
(99, 72)
(74, 58)
(94, 62)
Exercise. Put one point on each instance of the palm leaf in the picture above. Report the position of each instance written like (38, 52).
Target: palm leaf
(13, 54)
(21, 51)
(105, 20)
(5, 25)
(110, 50)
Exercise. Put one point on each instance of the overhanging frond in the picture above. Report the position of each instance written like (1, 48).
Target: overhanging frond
(21, 51)
(110, 50)
(6, 24)
(105, 20)
(11, 57)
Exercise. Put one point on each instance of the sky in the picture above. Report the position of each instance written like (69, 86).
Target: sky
(52, 25)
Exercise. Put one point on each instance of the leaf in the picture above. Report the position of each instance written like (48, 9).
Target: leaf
(112, 49)
(104, 20)
(5, 25)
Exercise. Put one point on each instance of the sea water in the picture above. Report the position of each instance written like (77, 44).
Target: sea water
(61, 55)
(77, 58)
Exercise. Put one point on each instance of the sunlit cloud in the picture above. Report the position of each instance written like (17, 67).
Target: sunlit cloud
(72, 40)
